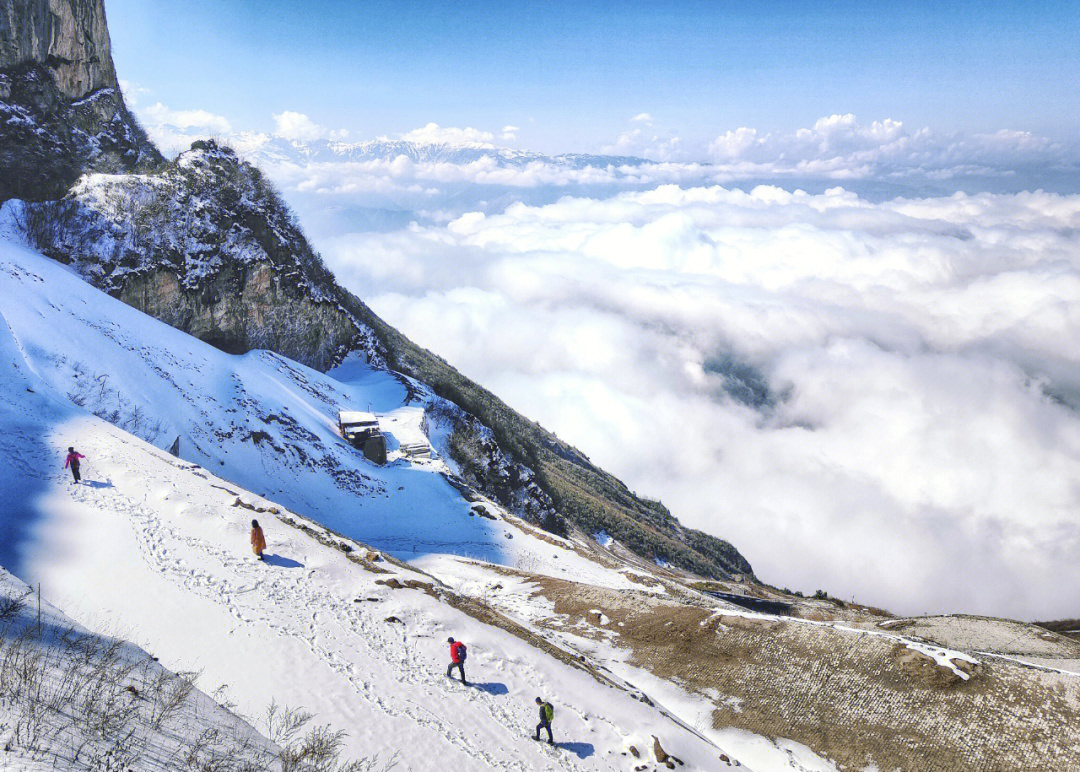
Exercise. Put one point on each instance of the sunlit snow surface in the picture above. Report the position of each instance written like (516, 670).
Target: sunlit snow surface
(151, 547)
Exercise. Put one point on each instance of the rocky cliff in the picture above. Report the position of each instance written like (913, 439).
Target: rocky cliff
(61, 109)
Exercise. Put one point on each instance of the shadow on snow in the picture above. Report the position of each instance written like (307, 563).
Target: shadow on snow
(281, 562)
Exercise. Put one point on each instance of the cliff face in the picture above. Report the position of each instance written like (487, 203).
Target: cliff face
(69, 38)
(61, 110)
(206, 246)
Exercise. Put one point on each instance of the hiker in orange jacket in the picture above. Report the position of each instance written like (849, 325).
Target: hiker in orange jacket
(258, 541)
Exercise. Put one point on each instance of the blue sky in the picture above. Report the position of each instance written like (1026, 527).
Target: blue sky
(571, 74)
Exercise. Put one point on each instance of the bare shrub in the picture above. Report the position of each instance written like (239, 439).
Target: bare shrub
(84, 700)
(11, 605)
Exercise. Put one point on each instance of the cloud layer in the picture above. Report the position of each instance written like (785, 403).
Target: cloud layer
(872, 394)
(875, 399)
(880, 159)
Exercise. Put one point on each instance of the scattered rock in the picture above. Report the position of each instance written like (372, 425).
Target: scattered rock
(392, 583)
(394, 620)
(635, 752)
(658, 750)
(923, 667)
(964, 666)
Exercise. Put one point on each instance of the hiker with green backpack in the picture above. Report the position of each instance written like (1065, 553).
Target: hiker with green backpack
(547, 713)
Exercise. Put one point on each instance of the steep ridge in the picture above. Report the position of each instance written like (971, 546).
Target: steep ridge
(61, 109)
(158, 546)
(207, 246)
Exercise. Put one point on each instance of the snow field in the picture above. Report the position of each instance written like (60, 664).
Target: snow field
(74, 700)
(151, 547)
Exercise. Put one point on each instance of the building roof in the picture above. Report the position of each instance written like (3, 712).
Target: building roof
(350, 417)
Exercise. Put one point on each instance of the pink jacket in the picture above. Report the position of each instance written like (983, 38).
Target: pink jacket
(72, 458)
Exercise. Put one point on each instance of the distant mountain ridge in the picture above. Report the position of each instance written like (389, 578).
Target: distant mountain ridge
(258, 146)
(384, 149)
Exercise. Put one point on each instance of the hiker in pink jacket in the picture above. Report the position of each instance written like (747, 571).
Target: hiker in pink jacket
(72, 461)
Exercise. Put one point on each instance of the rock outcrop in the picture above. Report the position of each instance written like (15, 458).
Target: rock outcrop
(61, 109)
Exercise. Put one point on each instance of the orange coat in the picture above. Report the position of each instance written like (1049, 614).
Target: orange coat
(258, 541)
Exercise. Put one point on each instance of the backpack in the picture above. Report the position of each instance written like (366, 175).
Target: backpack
(462, 651)
(549, 711)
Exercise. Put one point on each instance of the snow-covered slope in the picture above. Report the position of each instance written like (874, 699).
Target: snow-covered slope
(73, 700)
(259, 420)
(153, 546)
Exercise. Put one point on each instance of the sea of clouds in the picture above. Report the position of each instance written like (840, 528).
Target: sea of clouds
(875, 395)
(875, 399)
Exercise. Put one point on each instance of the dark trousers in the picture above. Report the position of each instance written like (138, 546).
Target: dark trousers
(547, 726)
(461, 668)
(75, 472)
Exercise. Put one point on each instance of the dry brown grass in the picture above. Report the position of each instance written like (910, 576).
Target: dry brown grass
(856, 699)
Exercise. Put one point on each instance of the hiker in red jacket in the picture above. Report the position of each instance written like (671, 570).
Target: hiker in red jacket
(458, 652)
(72, 460)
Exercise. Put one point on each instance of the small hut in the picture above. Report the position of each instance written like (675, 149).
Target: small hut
(361, 430)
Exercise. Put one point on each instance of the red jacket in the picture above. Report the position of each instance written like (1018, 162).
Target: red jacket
(457, 652)
(73, 458)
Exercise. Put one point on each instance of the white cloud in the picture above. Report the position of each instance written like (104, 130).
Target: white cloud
(159, 114)
(840, 147)
(642, 118)
(132, 92)
(509, 133)
(297, 126)
(637, 142)
(435, 134)
(913, 442)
